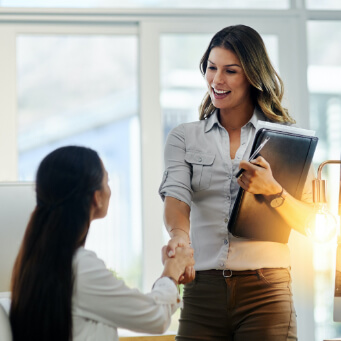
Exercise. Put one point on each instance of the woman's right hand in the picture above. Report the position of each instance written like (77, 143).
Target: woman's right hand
(178, 225)
(180, 265)
(177, 241)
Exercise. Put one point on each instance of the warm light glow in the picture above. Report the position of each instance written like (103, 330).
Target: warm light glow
(321, 226)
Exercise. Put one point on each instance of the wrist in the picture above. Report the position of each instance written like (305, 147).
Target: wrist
(173, 279)
(179, 232)
(172, 270)
(274, 190)
(277, 199)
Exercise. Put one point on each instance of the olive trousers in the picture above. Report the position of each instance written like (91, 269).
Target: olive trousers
(242, 306)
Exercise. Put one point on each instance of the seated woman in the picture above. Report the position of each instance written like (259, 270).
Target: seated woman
(60, 290)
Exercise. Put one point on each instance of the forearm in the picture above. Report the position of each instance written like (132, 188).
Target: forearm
(176, 218)
(295, 212)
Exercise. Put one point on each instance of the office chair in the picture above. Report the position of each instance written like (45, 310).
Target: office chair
(5, 327)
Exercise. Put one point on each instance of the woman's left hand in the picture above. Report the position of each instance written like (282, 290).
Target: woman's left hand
(257, 177)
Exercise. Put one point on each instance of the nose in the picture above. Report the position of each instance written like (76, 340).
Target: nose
(218, 78)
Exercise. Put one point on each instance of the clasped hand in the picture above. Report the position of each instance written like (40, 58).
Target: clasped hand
(257, 177)
(180, 250)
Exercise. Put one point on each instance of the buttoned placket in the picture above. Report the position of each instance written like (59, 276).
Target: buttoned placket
(245, 137)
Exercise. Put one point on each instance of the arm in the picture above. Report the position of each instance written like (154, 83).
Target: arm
(176, 191)
(99, 296)
(258, 179)
(176, 218)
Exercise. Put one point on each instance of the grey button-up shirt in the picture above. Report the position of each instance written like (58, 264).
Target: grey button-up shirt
(200, 172)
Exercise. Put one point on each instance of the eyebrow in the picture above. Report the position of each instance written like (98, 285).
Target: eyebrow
(225, 65)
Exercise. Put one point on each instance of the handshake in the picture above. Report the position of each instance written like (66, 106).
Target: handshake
(178, 263)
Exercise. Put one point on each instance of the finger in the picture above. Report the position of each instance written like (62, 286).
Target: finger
(244, 178)
(164, 253)
(172, 245)
(260, 161)
(247, 166)
(243, 164)
(170, 251)
(242, 184)
(193, 273)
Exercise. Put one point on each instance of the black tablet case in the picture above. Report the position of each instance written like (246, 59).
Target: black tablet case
(290, 156)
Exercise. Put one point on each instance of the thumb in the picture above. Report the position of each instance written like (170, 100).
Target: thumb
(170, 251)
(260, 161)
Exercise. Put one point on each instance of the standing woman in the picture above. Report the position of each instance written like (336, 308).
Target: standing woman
(242, 288)
(60, 290)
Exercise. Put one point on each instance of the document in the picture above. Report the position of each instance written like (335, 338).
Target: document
(289, 152)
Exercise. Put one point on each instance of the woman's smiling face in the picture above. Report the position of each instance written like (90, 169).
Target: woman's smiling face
(226, 80)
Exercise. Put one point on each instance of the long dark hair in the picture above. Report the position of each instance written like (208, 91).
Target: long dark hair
(42, 279)
(266, 86)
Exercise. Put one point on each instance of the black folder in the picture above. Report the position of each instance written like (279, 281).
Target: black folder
(290, 156)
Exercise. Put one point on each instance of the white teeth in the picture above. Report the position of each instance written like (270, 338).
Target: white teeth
(220, 92)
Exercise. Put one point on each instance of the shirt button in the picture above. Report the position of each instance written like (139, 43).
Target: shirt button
(222, 264)
(199, 158)
(225, 241)
(226, 220)
(228, 198)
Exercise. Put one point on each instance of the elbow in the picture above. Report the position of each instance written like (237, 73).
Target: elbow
(162, 326)
(160, 323)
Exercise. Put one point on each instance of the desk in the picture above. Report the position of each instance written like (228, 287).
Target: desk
(128, 335)
(148, 338)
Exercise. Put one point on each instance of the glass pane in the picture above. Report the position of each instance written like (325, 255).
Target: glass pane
(325, 4)
(83, 90)
(243, 4)
(324, 72)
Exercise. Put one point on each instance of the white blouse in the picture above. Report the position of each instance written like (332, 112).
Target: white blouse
(102, 303)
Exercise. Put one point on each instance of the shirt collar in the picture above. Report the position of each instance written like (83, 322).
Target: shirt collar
(211, 121)
(256, 116)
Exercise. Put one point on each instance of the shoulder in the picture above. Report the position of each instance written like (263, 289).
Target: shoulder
(185, 132)
(188, 127)
(85, 259)
(91, 273)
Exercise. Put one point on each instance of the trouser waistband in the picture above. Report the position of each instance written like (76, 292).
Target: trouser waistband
(228, 273)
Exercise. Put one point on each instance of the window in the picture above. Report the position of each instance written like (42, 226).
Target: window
(325, 4)
(82, 89)
(278, 4)
(324, 72)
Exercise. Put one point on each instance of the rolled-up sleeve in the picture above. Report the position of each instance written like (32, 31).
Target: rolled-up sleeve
(176, 181)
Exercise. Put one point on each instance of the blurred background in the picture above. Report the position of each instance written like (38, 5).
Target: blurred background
(117, 76)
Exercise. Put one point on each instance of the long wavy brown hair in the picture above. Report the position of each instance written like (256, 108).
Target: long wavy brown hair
(266, 85)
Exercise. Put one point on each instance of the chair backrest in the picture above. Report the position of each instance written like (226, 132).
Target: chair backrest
(5, 326)
(17, 201)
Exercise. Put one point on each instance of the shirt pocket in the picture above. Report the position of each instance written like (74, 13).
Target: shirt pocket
(201, 169)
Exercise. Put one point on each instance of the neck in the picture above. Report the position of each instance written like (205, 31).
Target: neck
(235, 119)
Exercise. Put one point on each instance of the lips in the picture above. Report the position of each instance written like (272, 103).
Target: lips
(219, 94)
